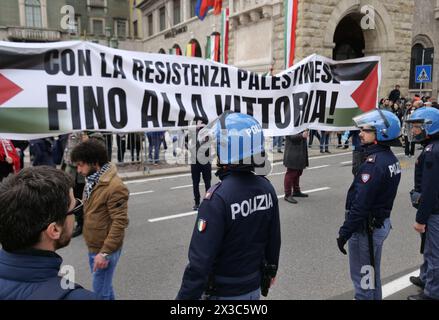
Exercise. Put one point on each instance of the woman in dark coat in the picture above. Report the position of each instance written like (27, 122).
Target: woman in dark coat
(295, 160)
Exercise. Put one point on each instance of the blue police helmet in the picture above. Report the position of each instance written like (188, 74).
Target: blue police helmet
(386, 125)
(238, 138)
(428, 117)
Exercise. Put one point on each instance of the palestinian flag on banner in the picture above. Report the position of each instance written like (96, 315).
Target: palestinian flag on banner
(291, 9)
(224, 46)
(363, 77)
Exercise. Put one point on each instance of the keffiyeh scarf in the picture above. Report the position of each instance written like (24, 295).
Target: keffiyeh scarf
(93, 179)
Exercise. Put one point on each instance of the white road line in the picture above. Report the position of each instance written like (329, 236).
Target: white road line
(318, 167)
(142, 192)
(190, 213)
(398, 284)
(173, 216)
(158, 179)
(346, 162)
(185, 186)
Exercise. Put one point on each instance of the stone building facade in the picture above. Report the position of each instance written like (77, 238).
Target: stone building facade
(331, 28)
(425, 43)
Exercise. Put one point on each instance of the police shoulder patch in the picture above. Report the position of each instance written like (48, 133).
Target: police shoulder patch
(201, 225)
(365, 177)
(371, 158)
(211, 191)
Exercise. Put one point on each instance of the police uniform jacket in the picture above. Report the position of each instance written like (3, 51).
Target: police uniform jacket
(427, 181)
(237, 229)
(373, 190)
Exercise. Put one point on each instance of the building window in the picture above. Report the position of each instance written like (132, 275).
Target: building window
(97, 27)
(121, 28)
(162, 15)
(33, 13)
(177, 12)
(98, 3)
(150, 25)
(135, 30)
(420, 55)
(193, 4)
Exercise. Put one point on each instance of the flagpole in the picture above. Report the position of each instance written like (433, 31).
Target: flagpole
(423, 58)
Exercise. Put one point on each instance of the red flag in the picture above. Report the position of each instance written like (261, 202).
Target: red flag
(217, 7)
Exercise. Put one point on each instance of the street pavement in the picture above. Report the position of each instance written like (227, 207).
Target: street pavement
(311, 267)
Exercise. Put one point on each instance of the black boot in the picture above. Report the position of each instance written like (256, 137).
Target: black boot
(417, 282)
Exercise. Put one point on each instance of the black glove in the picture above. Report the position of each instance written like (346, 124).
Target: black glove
(341, 243)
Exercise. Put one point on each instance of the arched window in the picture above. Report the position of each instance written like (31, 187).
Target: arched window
(193, 49)
(420, 55)
(176, 50)
(213, 47)
(33, 13)
(162, 51)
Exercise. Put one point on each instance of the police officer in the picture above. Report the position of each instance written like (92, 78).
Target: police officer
(237, 231)
(423, 127)
(370, 201)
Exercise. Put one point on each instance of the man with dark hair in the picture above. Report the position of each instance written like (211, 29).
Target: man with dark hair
(395, 94)
(105, 213)
(36, 219)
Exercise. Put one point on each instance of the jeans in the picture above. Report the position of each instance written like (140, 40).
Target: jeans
(324, 140)
(431, 256)
(277, 142)
(359, 257)
(253, 295)
(103, 278)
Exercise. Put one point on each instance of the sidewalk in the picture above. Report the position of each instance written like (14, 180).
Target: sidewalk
(132, 171)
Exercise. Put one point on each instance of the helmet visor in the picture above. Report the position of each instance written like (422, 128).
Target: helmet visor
(369, 120)
(416, 131)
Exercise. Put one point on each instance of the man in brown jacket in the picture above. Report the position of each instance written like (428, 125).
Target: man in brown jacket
(105, 213)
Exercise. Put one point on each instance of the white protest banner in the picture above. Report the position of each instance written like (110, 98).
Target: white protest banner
(47, 89)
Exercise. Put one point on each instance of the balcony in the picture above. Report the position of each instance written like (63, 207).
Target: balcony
(97, 3)
(33, 34)
(244, 12)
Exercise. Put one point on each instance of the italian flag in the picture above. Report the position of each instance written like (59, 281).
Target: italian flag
(213, 47)
(224, 36)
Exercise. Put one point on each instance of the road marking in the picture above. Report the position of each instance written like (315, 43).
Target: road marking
(190, 213)
(157, 179)
(173, 216)
(398, 284)
(185, 186)
(318, 167)
(346, 162)
(142, 192)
